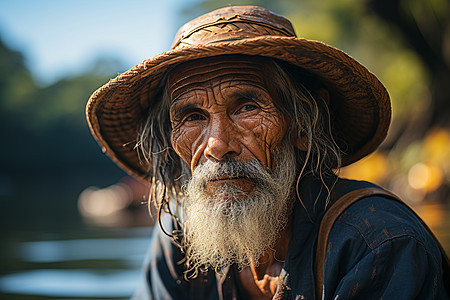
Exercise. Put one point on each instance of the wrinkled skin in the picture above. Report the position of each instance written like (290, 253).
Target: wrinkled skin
(222, 109)
(217, 113)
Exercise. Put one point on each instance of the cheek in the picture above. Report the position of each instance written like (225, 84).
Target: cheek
(183, 142)
(272, 131)
(263, 135)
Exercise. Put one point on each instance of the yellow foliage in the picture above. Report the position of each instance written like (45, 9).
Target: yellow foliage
(425, 176)
(432, 214)
(436, 147)
(372, 168)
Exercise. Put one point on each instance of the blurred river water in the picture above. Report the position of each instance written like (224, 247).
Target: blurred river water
(99, 263)
(94, 262)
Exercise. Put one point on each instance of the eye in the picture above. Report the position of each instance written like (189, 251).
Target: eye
(249, 107)
(195, 117)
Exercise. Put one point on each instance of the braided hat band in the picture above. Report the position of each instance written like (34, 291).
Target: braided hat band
(362, 110)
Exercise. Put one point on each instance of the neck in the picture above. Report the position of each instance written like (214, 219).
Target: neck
(272, 261)
(260, 279)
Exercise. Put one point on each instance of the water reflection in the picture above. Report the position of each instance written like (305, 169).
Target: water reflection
(125, 249)
(99, 257)
(72, 283)
(100, 268)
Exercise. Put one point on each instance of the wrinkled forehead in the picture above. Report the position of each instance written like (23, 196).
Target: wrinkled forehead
(215, 70)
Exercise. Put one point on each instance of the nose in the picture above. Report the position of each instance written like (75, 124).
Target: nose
(222, 141)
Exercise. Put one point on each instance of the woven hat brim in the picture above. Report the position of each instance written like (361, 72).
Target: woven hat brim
(361, 119)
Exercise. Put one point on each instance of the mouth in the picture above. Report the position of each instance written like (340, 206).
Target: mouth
(243, 183)
(228, 178)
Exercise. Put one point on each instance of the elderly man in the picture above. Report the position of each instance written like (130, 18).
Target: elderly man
(242, 129)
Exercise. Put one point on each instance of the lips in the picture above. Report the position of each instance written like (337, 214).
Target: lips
(227, 178)
(245, 184)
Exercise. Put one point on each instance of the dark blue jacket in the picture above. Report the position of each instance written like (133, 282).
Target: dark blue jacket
(377, 249)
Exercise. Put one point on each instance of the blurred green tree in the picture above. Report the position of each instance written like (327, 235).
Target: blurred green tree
(48, 155)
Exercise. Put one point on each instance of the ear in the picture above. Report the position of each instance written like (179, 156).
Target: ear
(300, 142)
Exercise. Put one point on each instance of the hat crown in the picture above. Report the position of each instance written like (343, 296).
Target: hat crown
(232, 23)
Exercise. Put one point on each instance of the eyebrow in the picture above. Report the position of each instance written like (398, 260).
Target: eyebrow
(249, 95)
(180, 109)
(253, 95)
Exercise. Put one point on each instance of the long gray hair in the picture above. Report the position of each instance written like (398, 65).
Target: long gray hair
(298, 96)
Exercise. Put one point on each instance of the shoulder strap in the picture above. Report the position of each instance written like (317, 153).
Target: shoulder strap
(333, 214)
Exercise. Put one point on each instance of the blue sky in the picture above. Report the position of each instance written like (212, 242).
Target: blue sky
(63, 38)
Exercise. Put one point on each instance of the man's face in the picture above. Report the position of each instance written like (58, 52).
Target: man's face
(227, 129)
(221, 109)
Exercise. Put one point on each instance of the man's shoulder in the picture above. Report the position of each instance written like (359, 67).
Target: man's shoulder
(379, 240)
(379, 219)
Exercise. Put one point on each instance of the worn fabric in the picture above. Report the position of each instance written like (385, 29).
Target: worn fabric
(377, 249)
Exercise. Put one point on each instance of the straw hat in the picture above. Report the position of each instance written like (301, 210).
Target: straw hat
(362, 107)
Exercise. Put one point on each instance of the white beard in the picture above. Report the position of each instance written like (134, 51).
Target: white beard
(232, 227)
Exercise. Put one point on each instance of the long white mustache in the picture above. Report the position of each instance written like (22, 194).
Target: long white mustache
(232, 226)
